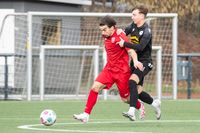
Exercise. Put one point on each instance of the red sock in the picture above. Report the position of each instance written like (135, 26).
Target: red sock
(91, 101)
(138, 104)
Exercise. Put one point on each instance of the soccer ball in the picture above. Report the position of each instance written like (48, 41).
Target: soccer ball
(48, 117)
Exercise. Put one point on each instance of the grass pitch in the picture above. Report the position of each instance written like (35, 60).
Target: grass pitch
(181, 116)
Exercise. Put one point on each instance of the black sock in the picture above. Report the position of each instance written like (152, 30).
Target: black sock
(145, 97)
(133, 93)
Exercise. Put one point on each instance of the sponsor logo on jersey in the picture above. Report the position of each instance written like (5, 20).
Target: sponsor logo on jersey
(134, 39)
(140, 33)
(113, 40)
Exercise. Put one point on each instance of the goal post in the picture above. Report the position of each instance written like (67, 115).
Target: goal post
(158, 50)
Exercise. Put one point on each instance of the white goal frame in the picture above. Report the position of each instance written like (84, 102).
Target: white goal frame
(158, 50)
(174, 17)
(43, 48)
(69, 47)
(30, 86)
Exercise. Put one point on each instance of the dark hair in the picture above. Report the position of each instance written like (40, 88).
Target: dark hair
(107, 20)
(142, 9)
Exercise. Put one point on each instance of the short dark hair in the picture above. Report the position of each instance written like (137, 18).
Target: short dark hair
(107, 20)
(142, 9)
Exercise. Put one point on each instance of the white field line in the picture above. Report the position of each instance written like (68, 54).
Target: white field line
(79, 131)
(35, 126)
(149, 121)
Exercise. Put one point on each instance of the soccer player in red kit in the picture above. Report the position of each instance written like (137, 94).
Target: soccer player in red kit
(117, 69)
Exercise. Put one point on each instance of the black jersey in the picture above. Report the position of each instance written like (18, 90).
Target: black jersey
(141, 41)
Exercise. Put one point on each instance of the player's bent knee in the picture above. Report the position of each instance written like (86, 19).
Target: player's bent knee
(135, 78)
(97, 86)
(137, 75)
(96, 90)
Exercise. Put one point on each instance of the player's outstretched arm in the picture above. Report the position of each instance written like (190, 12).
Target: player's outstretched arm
(143, 42)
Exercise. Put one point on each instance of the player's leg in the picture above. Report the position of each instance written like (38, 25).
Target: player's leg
(124, 91)
(144, 96)
(91, 101)
(155, 103)
(138, 105)
(104, 80)
(133, 81)
(121, 80)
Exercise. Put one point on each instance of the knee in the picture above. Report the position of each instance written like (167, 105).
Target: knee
(134, 78)
(137, 76)
(97, 87)
(132, 84)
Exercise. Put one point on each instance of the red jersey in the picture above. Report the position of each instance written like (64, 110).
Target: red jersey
(117, 57)
(117, 68)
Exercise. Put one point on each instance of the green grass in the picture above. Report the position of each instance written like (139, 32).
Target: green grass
(182, 116)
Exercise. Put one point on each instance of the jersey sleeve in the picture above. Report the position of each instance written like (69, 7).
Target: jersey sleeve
(143, 41)
(125, 38)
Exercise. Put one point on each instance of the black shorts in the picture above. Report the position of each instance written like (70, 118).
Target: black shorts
(147, 68)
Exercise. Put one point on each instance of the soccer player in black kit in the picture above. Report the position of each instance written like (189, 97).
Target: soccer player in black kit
(141, 42)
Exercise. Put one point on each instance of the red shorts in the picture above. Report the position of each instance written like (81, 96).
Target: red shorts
(108, 78)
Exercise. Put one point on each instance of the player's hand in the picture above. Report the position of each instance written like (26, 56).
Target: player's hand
(121, 42)
(138, 65)
(119, 31)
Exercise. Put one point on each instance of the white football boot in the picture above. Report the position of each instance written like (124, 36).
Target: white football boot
(157, 105)
(130, 114)
(83, 117)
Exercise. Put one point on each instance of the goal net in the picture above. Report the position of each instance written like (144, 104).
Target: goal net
(13, 55)
(67, 71)
(70, 72)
